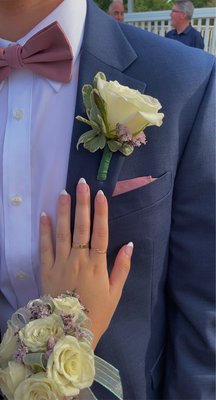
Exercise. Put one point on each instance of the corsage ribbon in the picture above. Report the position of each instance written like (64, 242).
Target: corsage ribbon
(107, 376)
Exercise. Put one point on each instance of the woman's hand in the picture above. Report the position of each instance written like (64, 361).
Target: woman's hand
(82, 266)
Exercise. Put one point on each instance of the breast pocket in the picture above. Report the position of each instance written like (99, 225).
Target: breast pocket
(140, 198)
(140, 214)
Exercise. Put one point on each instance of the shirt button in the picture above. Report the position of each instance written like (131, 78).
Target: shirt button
(22, 276)
(18, 114)
(16, 200)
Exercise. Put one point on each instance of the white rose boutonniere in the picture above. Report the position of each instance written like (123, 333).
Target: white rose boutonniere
(117, 116)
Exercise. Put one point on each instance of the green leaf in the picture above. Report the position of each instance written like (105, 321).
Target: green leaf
(101, 75)
(94, 111)
(96, 115)
(86, 92)
(87, 136)
(96, 143)
(102, 125)
(86, 121)
(114, 145)
(37, 369)
(127, 149)
(100, 103)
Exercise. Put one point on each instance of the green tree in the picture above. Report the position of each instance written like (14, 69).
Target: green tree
(103, 4)
(151, 5)
(154, 5)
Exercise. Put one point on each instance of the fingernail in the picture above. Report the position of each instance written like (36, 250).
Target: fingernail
(82, 186)
(43, 218)
(129, 249)
(100, 196)
(63, 198)
(64, 192)
(82, 180)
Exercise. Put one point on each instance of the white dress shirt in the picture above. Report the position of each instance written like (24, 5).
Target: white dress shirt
(36, 122)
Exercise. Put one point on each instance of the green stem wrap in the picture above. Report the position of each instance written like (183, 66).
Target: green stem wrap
(104, 164)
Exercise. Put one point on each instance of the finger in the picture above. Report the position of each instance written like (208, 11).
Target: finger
(120, 270)
(46, 244)
(99, 241)
(81, 233)
(63, 233)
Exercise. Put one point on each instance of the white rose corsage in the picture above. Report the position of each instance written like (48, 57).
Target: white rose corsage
(117, 116)
(46, 353)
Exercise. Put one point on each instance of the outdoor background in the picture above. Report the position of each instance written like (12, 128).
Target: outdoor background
(154, 5)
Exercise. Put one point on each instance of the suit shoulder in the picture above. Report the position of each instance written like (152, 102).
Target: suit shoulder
(163, 50)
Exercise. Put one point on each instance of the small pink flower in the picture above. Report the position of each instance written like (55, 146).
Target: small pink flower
(139, 139)
(123, 133)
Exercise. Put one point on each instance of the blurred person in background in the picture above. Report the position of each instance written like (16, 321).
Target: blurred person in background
(116, 10)
(181, 15)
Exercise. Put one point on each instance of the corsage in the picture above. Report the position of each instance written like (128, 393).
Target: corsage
(46, 353)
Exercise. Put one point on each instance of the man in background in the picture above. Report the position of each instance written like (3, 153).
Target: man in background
(116, 10)
(181, 15)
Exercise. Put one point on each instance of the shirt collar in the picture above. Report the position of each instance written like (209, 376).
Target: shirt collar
(70, 14)
(185, 31)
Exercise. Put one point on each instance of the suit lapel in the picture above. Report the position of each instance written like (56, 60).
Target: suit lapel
(97, 55)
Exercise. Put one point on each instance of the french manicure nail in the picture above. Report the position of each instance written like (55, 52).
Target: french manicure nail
(43, 218)
(64, 198)
(100, 193)
(82, 180)
(64, 192)
(100, 196)
(82, 186)
(129, 249)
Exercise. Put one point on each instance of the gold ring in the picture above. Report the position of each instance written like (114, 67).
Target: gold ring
(99, 251)
(80, 246)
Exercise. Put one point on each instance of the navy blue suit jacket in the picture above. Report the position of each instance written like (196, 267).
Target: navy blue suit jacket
(161, 337)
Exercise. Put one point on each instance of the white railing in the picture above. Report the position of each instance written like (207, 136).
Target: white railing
(204, 20)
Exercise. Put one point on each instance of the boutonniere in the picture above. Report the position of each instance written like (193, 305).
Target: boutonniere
(117, 116)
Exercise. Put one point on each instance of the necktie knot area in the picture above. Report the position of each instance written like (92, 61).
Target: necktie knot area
(13, 56)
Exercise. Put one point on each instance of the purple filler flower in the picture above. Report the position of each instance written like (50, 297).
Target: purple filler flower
(71, 326)
(21, 353)
(40, 311)
(123, 133)
(139, 139)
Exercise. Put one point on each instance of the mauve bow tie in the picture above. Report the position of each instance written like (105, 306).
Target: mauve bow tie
(47, 53)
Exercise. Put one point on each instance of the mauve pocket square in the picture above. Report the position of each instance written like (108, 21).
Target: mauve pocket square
(131, 184)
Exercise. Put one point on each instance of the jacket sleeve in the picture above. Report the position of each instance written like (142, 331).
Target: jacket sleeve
(190, 350)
